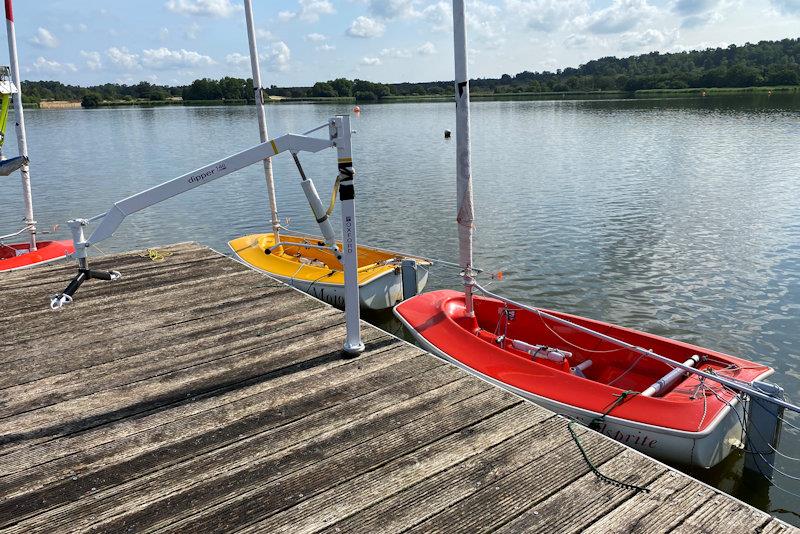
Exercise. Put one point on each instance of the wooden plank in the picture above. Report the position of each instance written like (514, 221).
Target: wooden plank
(136, 271)
(211, 418)
(417, 502)
(213, 377)
(776, 526)
(494, 505)
(574, 507)
(672, 496)
(235, 470)
(235, 444)
(723, 514)
(347, 498)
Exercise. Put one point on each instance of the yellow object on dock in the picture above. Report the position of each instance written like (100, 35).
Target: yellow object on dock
(319, 273)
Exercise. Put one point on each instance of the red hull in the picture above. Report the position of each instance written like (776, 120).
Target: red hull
(438, 317)
(17, 256)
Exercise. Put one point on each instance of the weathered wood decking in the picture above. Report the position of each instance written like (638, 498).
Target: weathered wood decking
(195, 395)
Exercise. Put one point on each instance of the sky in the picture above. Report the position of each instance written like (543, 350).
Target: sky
(173, 42)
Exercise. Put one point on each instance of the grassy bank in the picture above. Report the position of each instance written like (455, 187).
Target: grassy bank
(711, 91)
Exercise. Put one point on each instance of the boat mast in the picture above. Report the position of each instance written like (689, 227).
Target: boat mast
(20, 125)
(465, 216)
(262, 116)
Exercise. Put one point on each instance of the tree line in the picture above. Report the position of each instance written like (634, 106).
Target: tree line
(766, 63)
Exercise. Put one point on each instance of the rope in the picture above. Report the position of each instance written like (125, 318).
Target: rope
(569, 343)
(628, 370)
(621, 397)
(333, 195)
(596, 471)
(155, 254)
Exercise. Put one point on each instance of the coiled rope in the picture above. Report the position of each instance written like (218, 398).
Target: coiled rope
(155, 254)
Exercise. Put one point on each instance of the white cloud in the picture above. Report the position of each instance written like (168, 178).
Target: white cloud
(576, 40)
(261, 33)
(315, 37)
(648, 40)
(122, 58)
(426, 49)
(787, 7)
(72, 28)
(279, 57)
(620, 16)
(44, 39)
(93, 61)
(365, 28)
(325, 47)
(285, 16)
(370, 61)
(163, 34)
(547, 15)
(485, 25)
(439, 16)
(46, 66)
(398, 53)
(205, 8)
(237, 60)
(193, 31)
(312, 10)
(164, 58)
(390, 9)
(697, 13)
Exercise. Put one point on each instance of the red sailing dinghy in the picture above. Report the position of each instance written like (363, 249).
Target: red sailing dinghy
(629, 385)
(672, 417)
(21, 255)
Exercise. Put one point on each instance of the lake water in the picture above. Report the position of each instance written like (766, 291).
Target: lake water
(678, 217)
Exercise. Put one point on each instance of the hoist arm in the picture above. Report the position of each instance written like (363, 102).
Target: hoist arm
(338, 136)
(110, 221)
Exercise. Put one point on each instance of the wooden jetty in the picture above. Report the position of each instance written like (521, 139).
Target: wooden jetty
(196, 395)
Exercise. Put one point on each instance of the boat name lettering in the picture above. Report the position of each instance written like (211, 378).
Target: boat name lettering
(636, 440)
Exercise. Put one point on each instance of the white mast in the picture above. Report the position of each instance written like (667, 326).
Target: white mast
(262, 117)
(465, 216)
(20, 125)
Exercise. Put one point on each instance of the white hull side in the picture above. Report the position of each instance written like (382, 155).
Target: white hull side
(377, 294)
(701, 449)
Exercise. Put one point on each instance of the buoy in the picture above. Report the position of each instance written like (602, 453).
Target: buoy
(357, 109)
(769, 93)
(447, 134)
(703, 93)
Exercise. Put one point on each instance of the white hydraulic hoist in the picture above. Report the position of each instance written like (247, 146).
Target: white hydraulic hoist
(339, 137)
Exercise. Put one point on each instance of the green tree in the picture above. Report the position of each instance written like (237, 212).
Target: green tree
(322, 89)
(342, 86)
(91, 100)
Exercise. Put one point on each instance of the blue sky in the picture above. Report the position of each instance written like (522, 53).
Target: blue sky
(302, 41)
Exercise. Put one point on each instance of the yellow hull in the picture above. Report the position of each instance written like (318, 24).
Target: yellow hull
(320, 274)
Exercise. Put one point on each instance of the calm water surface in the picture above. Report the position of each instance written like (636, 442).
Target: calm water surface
(677, 217)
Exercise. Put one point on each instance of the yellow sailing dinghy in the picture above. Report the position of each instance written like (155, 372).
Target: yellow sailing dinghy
(318, 271)
(314, 264)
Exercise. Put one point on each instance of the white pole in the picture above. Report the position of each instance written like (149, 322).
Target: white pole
(262, 117)
(352, 310)
(20, 125)
(465, 215)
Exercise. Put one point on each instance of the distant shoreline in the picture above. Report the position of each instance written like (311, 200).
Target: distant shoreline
(553, 95)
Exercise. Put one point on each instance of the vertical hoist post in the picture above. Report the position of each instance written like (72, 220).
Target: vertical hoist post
(341, 131)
